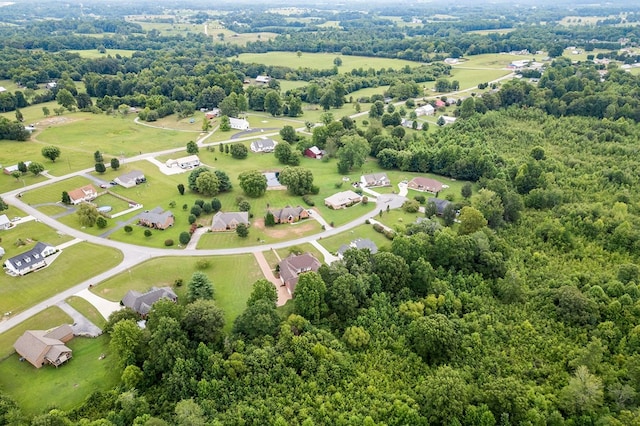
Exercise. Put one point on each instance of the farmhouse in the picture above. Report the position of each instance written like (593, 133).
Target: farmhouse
(131, 179)
(41, 347)
(142, 302)
(292, 266)
(10, 169)
(314, 152)
(342, 200)
(228, 221)
(425, 110)
(156, 219)
(263, 79)
(375, 179)
(263, 145)
(440, 204)
(86, 193)
(238, 123)
(30, 260)
(289, 214)
(425, 184)
(360, 244)
(5, 223)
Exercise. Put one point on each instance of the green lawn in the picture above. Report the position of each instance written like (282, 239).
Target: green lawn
(28, 232)
(232, 278)
(398, 219)
(93, 53)
(303, 248)
(471, 78)
(363, 231)
(52, 193)
(323, 61)
(50, 317)
(74, 265)
(87, 309)
(39, 389)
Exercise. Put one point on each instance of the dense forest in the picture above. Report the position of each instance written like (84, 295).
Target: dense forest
(525, 311)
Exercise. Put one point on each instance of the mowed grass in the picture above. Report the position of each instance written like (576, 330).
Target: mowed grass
(87, 309)
(238, 38)
(94, 53)
(232, 277)
(469, 78)
(53, 193)
(301, 248)
(363, 231)
(74, 265)
(49, 318)
(39, 389)
(30, 233)
(323, 61)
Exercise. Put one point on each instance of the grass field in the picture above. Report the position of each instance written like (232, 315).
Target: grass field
(323, 61)
(302, 248)
(53, 193)
(363, 231)
(19, 293)
(239, 38)
(232, 285)
(65, 387)
(94, 53)
(28, 232)
(500, 31)
(87, 309)
(398, 219)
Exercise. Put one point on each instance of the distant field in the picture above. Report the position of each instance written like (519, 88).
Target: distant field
(584, 20)
(323, 61)
(496, 31)
(471, 78)
(171, 29)
(238, 38)
(93, 53)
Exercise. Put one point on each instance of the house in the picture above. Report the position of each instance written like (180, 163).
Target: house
(292, 266)
(263, 79)
(314, 152)
(30, 260)
(427, 109)
(440, 103)
(447, 119)
(131, 179)
(142, 302)
(187, 162)
(425, 184)
(360, 244)
(342, 200)
(409, 124)
(41, 347)
(375, 179)
(2, 89)
(238, 123)
(5, 223)
(289, 214)
(263, 145)
(156, 218)
(215, 112)
(451, 101)
(10, 169)
(86, 193)
(51, 85)
(440, 203)
(229, 221)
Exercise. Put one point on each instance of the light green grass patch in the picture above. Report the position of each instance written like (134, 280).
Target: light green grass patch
(94, 53)
(469, 78)
(53, 193)
(87, 309)
(239, 38)
(29, 232)
(65, 387)
(232, 277)
(74, 265)
(500, 31)
(398, 219)
(363, 231)
(301, 248)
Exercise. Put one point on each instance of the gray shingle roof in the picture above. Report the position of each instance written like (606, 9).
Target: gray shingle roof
(141, 302)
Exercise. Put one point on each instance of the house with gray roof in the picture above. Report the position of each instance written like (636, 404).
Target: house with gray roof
(41, 347)
(441, 204)
(263, 145)
(342, 200)
(360, 244)
(292, 266)
(30, 260)
(289, 214)
(156, 218)
(142, 302)
(375, 179)
(229, 221)
(131, 179)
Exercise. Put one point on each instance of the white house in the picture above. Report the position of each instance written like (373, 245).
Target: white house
(85, 193)
(30, 260)
(188, 162)
(263, 79)
(131, 179)
(5, 223)
(263, 145)
(425, 110)
(447, 119)
(238, 123)
(51, 85)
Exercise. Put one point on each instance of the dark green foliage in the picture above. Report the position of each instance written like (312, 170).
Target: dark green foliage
(239, 151)
(65, 198)
(184, 238)
(199, 287)
(242, 230)
(216, 205)
(181, 189)
(99, 167)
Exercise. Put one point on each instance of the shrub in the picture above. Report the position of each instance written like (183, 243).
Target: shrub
(178, 282)
(193, 228)
(315, 190)
(128, 229)
(358, 191)
(307, 199)
(378, 228)
(203, 264)
(365, 200)
(147, 233)
(411, 206)
(389, 234)
(196, 210)
(168, 243)
(420, 198)
(101, 222)
(184, 238)
(199, 203)
(192, 219)
(368, 222)
(338, 185)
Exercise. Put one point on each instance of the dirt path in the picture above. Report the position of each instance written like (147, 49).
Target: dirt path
(283, 294)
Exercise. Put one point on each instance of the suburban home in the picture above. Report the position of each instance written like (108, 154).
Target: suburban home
(425, 184)
(5, 223)
(228, 221)
(263, 145)
(289, 214)
(263, 79)
(360, 244)
(441, 204)
(131, 179)
(86, 193)
(30, 260)
(188, 162)
(142, 302)
(156, 218)
(427, 109)
(292, 266)
(314, 152)
(342, 200)
(10, 169)
(41, 347)
(375, 179)
(238, 123)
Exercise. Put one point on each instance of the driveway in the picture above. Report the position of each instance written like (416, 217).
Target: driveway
(104, 306)
(283, 294)
(81, 324)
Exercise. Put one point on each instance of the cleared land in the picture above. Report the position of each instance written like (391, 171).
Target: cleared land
(94, 53)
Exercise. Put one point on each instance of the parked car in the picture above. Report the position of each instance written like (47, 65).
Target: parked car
(113, 183)
(104, 185)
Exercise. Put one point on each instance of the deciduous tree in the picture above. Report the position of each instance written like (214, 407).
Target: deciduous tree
(51, 152)
(253, 183)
